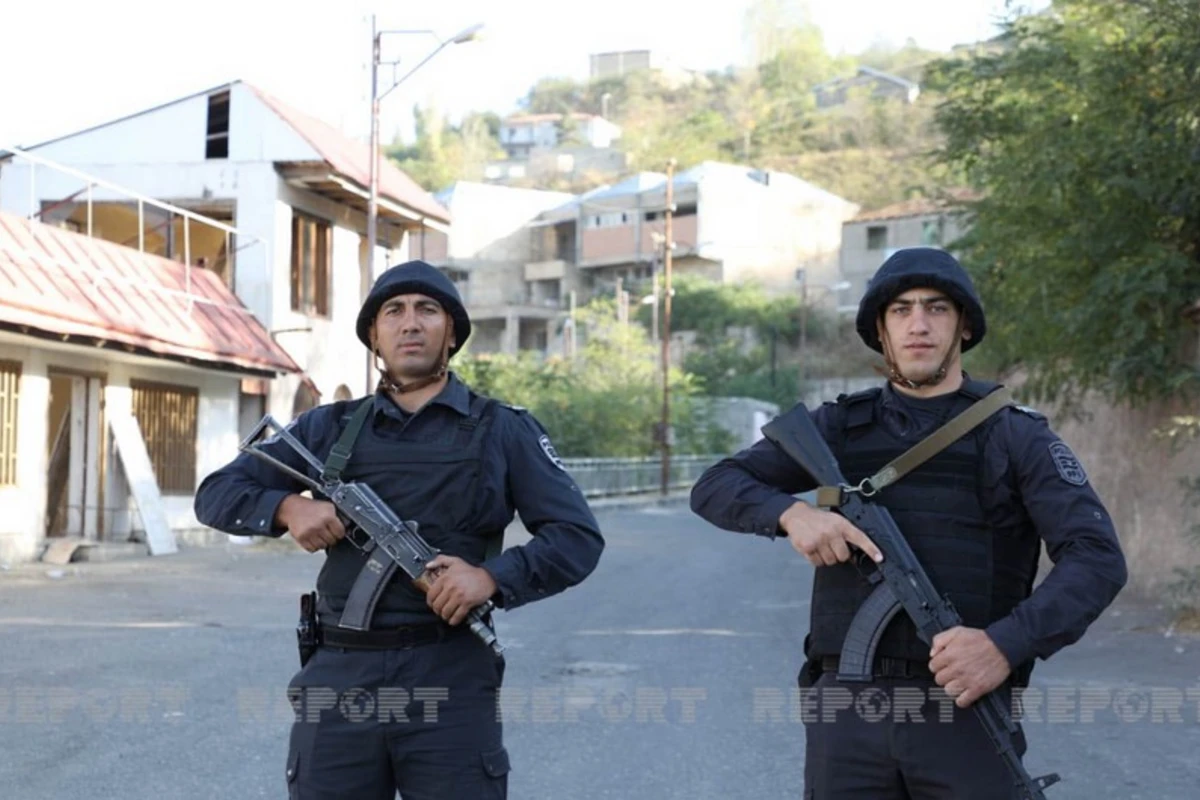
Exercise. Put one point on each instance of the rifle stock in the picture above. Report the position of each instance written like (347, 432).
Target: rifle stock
(901, 583)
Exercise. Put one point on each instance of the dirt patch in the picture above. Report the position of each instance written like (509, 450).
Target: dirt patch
(1188, 621)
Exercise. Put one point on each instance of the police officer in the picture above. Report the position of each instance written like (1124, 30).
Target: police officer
(410, 703)
(975, 515)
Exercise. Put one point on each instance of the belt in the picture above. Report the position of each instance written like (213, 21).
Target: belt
(885, 667)
(402, 638)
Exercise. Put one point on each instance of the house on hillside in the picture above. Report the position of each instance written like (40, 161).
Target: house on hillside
(869, 238)
(731, 224)
(514, 304)
(91, 335)
(293, 186)
(522, 134)
(874, 83)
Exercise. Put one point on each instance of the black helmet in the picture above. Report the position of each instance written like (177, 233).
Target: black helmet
(415, 277)
(912, 268)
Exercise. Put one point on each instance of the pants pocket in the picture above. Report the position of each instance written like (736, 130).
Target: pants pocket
(496, 766)
(292, 774)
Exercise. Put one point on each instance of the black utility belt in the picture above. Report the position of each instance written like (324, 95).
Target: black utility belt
(404, 637)
(886, 667)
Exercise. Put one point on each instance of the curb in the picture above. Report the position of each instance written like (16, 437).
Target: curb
(638, 501)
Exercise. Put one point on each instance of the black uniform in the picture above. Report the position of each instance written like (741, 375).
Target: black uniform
(975, 515)
(419, 717)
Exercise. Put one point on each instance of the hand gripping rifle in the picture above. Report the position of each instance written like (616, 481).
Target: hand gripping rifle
(360, 505)
(900, 583)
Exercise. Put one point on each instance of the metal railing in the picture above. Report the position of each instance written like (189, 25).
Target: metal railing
(92, 183)
(610, 477)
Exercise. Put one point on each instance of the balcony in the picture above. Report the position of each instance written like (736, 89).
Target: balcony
(623, 244)
(546, 270)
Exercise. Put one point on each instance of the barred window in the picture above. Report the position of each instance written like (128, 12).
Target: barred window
(167, 416)
(10, 380)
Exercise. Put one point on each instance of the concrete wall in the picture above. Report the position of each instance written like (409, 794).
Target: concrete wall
(766, 232)
(1138, 477)
(743, 417)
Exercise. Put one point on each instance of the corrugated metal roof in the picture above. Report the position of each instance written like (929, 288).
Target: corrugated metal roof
(352, 159)
(53, 281)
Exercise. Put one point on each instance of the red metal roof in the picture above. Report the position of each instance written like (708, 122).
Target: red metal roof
(53, 281)
(352, 159)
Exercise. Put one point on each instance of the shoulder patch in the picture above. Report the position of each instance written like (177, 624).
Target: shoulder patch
(548, 449)
(1068, 466)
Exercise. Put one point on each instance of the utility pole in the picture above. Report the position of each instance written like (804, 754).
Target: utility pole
(368, 272)
(804, 327)
(666, 330)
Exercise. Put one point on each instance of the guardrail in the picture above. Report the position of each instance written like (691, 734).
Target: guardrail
(610, 477)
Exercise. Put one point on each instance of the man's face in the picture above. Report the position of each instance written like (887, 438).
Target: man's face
(408, 333)
(920, 327)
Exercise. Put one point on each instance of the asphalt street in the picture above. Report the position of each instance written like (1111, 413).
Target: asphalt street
(670, 673)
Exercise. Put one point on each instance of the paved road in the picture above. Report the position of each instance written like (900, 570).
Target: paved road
(668, 674)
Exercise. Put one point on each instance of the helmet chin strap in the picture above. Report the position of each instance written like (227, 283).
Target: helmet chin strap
(387, 382)
(894, 374)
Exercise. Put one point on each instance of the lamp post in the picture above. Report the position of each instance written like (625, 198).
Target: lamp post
(466, 35)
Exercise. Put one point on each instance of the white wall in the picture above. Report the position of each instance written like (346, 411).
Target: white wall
(177, 133)
(483, 214)
(766, 232)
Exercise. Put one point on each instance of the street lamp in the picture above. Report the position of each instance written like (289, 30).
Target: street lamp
(469, 34)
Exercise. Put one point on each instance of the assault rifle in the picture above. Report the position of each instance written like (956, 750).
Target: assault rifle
(900, 583)
(358, 504)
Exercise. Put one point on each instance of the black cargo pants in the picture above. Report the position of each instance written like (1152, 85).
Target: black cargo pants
(422, 721)
(898, 739)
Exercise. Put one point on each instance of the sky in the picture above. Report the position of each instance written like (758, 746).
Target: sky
(68, 65)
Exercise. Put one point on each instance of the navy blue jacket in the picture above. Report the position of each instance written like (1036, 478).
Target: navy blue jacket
(749, 491)
(520, 475)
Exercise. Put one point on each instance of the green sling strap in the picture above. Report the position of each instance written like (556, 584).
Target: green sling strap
(922, 451)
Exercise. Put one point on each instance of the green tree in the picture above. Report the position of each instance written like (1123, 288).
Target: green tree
(1084, 132)
(607, 401)
(444, 153)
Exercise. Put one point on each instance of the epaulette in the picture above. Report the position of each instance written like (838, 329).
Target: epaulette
(977, 390)
(858, 397)
(518, 409)
(1032, 412)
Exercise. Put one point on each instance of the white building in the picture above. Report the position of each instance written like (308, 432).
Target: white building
(489, 254)
(523, 134)
(731, 224)
(295, 187)
(92, 337)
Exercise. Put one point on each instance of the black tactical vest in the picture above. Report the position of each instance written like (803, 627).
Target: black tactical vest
(436, 484)
(975, 541)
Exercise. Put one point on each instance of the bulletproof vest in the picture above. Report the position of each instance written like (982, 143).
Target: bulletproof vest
(980, 552)
(435, 483)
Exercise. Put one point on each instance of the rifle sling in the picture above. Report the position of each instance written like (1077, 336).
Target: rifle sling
(379, 568)
(922, 451)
